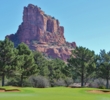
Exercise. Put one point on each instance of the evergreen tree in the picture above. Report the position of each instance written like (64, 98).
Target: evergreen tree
(82, 63)
(7, 58)
(56, 68)
(27, 64)
(103, 66)
(42, 63)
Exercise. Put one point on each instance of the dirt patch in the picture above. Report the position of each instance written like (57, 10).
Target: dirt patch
(2, 90)
(9, 90)
(100, 91)
(12, 90)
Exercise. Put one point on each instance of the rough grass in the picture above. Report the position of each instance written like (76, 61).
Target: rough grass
(59, 93)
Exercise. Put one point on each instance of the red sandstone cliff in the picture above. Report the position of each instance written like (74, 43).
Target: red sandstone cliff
(43, 33)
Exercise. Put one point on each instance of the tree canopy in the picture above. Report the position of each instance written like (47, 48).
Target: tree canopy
(7, 58)
(82, 63)
(27, 64)
(103, 66)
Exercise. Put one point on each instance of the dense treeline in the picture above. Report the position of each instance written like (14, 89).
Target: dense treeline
(85, 64)
(19, 63)
(24, 67)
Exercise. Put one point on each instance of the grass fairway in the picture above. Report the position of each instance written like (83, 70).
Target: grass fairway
(59, 93)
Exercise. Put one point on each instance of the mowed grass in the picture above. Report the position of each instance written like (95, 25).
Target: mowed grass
(59, 93)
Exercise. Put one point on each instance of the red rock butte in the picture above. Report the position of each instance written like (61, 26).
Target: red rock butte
(43, 33)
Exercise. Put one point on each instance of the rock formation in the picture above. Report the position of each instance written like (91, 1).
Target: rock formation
(43, 33)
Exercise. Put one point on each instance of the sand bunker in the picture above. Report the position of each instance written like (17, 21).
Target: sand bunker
(100, 91)
(9, 90)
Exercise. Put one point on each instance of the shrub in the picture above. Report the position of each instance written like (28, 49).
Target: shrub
(68, 81)
(26, 83)
(59, 82)
(16, 82)
(102, 87)
(97, 83)
(39, 81)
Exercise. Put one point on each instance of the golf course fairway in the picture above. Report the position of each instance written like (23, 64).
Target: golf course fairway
(57, 93)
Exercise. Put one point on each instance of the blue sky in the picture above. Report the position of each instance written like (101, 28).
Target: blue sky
(87, 22)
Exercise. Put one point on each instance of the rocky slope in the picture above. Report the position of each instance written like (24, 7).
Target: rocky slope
(43, 33)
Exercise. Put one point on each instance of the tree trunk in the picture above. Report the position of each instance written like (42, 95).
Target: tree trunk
(82, 79)
(107, 83)
(107, 78)
(3, 79)
(21, 84)
(82, 76)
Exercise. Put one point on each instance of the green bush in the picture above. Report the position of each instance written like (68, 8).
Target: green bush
(16, 82)
(57, 82)
(102, 87)
(68, 81)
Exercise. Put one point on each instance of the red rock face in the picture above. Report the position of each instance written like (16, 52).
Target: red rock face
(43, 33)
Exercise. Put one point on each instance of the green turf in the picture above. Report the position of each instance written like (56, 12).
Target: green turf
(59, 93)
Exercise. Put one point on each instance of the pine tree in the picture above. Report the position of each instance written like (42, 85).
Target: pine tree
(56, 68)
(42, 63)
(27, 64)
(103, 66)
(7, 57)
(82, 63)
